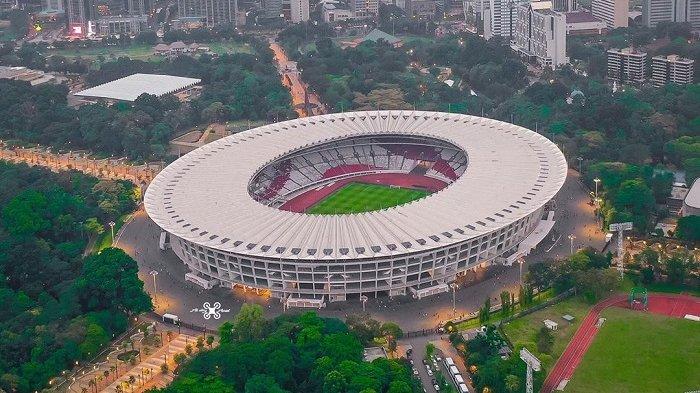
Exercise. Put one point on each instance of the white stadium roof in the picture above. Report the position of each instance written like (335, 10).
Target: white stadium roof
(131, 87)
(203, 197)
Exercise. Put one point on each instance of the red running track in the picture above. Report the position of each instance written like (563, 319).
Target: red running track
(300, 203)
(667, 304)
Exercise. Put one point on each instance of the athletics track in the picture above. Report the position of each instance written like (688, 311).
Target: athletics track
(664, 304)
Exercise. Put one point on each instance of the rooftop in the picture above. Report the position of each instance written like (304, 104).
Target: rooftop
(131, 87)
(203, 197)
(693, 197)
(376, 35)
(580, 16)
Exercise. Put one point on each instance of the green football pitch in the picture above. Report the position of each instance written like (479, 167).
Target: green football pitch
(638, 352)
(363, 197)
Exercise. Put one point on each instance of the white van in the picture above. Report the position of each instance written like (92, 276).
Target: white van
(171, 318)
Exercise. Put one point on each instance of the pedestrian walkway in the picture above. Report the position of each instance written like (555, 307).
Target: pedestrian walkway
(147, 374)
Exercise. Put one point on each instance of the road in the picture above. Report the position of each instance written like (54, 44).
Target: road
(291, 78)
(139, 238)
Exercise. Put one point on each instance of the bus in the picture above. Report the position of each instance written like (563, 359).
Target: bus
(454, 371)
(171, 318)
(463, 388)
(458, 379)
(449, 362)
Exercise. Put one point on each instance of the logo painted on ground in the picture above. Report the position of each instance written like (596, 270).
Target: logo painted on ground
(211, 311)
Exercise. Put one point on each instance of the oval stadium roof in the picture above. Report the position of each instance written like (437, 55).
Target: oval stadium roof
(203, 196)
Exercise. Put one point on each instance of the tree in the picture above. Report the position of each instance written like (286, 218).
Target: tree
(262, 383)
(540, 275)
(677, 267)
(545, 340)
(200, 343)
(248, 323)
(93, 226)
(226, 333)
(594, 284)
(512, 383)
(179, 358)
(688, 228)
(164, 368)
(110, 279)
(210, 340)
(485, 311)
(505, 302)
(334, 382)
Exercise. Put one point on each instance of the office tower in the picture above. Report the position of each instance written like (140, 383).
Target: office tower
(212, 12)
(564, 5)
(540, 34)
(500, 19)
(680, 11)
(613, 12)
(299, 11)
(53, 5)
(364, 8)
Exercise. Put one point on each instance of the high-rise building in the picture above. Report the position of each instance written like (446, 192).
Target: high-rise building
(78, 14)
(564, 5)
(500, 19)
(364, 8)
(626, 65)
(657, 11)
(53, 5)
(613, 12)
(540, 34)
(299, 11)
(191, 8)
(671, 69)
(212, 12)
(220, 12)
(421, 8)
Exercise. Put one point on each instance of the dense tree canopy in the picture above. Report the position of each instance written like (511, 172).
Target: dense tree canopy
(292, 353)
(55, 308)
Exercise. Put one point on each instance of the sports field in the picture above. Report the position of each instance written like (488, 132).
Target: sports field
(363, 197)
(640, 352)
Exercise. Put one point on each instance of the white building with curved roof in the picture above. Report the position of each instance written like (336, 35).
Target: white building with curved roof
(235, 209)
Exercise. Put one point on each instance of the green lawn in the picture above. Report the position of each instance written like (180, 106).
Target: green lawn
(522, 330)
(228, 47)
(136, 52)
(639, 352)
(362, 197)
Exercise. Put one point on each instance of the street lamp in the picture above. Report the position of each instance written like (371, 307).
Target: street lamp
(596, 180)
(154, 273)
(571, 238)
(363, 299)
(454, 287)
(521, 260)
(111, 227)
(580, 162)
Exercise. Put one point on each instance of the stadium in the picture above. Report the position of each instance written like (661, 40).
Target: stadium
(357, 204)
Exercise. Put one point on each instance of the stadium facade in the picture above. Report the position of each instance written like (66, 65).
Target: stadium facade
(234, 210)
